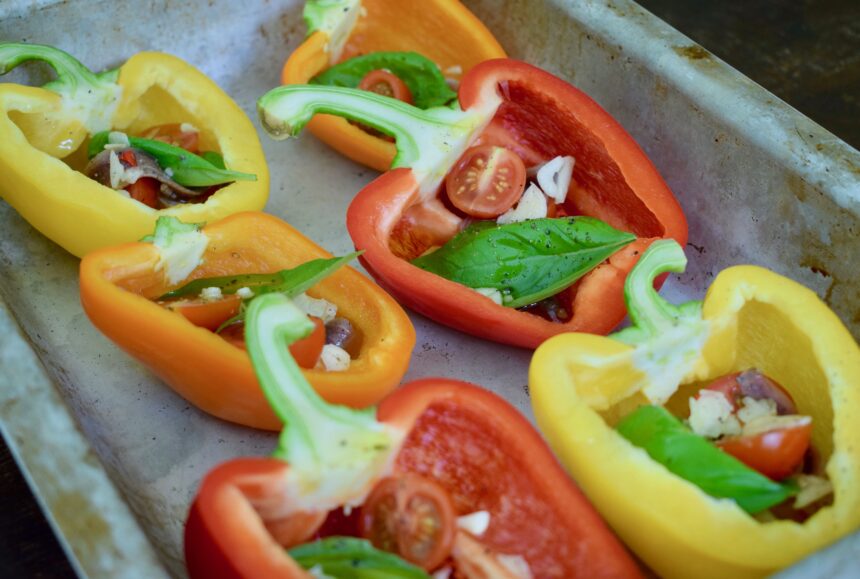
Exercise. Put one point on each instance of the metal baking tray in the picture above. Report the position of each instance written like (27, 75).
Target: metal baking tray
(114, 456)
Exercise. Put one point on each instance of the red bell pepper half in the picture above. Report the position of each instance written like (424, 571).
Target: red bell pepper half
(512, 104)
(470, 442)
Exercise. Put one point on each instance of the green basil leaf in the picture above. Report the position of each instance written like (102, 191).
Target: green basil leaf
(290, 282)
(97, 144)
(185, 168)
(351, 558)
(695, 459)
(216, 159)
(526, 261)
(421, 75)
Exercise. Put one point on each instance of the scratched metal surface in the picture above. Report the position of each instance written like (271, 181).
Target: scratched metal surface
(759, 182)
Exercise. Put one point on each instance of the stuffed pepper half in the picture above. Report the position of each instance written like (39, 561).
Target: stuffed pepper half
(444, 478)
(413, 51)
(177, 303)
(718, 438)
(92, 160)
(515, 217)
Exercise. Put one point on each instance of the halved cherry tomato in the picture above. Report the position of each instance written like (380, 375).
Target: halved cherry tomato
(412, 516)
(421, 227)
(306, 351)
(776, 453)
(756, 385)
(205, 313)
(387, 84)
(486, 181)
(145, 190)
(173, 134)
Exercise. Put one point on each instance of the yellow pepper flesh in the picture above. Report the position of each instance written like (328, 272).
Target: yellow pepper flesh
(759, 320)
(80, 214)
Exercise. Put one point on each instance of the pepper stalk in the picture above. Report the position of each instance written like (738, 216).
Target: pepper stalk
(335, 453)
(428, 141)
(88, 98)
(668, 340)
(335, 18)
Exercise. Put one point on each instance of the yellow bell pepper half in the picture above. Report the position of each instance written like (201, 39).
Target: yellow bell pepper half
(41, 126)
(581, 385)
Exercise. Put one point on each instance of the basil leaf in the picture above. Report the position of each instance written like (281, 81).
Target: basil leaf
(290, 282)
(526, 261)
(351, 558)
(421, 75)
(216, 159)
(185, 168)
(695, 459)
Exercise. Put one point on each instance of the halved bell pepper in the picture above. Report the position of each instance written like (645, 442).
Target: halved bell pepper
(477, 447)
(581, 385)
(539, 116)
(442, 30)
(118, 285)
(40, 126)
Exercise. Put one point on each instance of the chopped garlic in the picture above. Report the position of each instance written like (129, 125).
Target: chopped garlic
(188, 128)
(711, 415)
(443, 573)
(334, 358)
(116, 171)
(245, 293)
(120, 175)
(532, 205)
(767, 423)
(491, 293)
(517, 565)
(554, 177)
(812, 488)
(118, 138)
(753, 408)
(456, 69)
(318, 308)
(475, 523)
(211, 294)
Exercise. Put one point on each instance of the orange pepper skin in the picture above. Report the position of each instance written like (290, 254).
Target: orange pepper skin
(472, 443)
(442, 30)
(615, 182)
(119, 283)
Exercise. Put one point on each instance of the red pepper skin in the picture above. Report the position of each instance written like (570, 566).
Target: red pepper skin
(616, 182)
(535, 509)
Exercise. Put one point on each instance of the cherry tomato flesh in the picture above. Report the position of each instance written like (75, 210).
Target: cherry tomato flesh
(172, 134)
(411, 516)
(486, 181)
(386, 84)
(306, 351)
(755, 385)
(209, 314)
(776, 454)
(145, 190)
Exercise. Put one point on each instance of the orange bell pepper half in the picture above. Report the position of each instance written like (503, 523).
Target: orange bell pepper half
(118, 285)
(442, 30)
(478, 449)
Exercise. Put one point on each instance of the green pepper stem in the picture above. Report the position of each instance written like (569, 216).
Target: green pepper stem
(650, 314)
(92, 97)
(428, 141)
(336, 18)
(335, 452)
